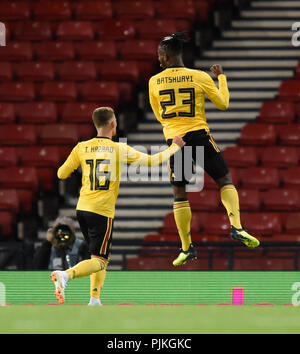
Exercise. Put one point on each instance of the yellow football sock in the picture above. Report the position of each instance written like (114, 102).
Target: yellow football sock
(86, 267)
(230, 200)
(183, 217)
(96, 282)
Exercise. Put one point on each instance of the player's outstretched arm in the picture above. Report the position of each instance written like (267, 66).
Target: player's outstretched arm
(71, 164)
(218, 96)
(138, 158)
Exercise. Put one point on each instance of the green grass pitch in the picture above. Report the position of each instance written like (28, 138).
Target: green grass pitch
(146, 319)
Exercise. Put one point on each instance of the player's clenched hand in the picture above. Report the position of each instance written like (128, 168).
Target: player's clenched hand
(216, 69)
(179, 141)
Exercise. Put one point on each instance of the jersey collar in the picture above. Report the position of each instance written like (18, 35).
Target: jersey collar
(175, 66)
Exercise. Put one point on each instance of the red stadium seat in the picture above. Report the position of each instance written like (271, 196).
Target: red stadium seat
(126, 90)
(160, 249)
(56, 134)
(75, 31)
(180, 9)
(77, 70)
(17, 134)
(16, 51)
(163, 263)
(289, 134)
(285, 237)
(7, 113)
(138, 50)
(240, 156)
(265, 224)
(135, 9)
(26, 199)
(220, 263)
(47, 178)
(99, 91)
(6, 223)
(297, 112)
(205, 200)
(78, 112)
(291, 177)
(36, 112)
(64, 151)
(6, 71)
(249, 199)
(292, 223)
(161, 238)
(33, 31)
(289, 90)
(259, 177)
(40, 156)
(54, 51)
(115, 29)
(281, 199)
(264, 263)
(52, 10)
(96, 50)
(257, 134)
(298, 70)
(155, 28)
(86, 131)
(203, 11)
(216, 224)
(279, 156)
(17, 91)
(209, 183)
(94, 10)
(58, 91)
(277, 112)
(119, 70)
(14, 10)
(8, 156)
(9, 200)
(19, 177)
(35, 71)
(146, 69)
(169, 225)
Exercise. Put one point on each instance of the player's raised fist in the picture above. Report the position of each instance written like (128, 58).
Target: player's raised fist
(216, 69)
(179, 141)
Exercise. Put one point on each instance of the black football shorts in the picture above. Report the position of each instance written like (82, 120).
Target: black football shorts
(214, 163)
(97, 232)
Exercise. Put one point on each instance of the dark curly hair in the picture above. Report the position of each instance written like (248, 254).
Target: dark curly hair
(174, 43)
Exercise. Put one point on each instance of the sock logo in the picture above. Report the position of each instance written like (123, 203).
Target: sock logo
(231, 214)
(95, 289)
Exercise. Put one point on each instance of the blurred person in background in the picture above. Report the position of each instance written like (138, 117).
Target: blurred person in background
(61, 249)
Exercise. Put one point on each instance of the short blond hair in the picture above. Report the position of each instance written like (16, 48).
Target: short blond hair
(102, 116)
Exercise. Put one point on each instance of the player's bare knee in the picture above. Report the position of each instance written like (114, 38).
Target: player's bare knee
(103, 262)
(179, 192)
(223, 181)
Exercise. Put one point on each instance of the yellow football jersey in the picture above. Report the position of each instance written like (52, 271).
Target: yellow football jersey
(177, 96)
(102, 161)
